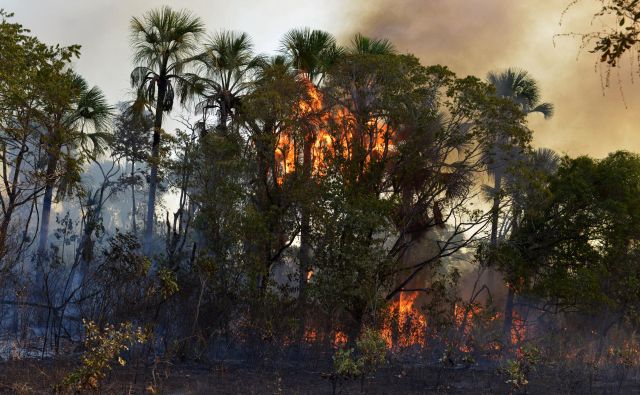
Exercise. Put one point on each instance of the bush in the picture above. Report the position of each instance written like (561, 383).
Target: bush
(103, 347)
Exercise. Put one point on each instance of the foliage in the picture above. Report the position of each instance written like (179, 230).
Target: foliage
(518, 371)
(372, 350)
(577, 245)
(368, 356)
(104, 347)
(344, 363)
(620, 34)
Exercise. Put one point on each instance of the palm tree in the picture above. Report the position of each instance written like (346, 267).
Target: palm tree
(519, 87)
(78, 124)
(164, 42)
(540, 164)
(311, 52)
(522, 89)
(227, 64)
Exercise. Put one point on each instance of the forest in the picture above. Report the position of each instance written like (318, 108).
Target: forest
(334, 217)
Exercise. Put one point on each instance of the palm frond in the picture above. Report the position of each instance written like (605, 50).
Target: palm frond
(310, 51)
(163, 38)
(140, 75)
(546, 109)
(521, 88)
(545, 160)
(371, 46)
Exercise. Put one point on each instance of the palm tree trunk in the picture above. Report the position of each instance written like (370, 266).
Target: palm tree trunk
(495, 210)
(47, 201)
(155, 157)
(508, 308)
(495, 219)
(133, 199)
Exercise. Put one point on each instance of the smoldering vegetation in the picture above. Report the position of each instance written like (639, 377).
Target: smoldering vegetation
(337, 216)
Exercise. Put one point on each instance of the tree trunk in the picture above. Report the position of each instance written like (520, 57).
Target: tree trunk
(495, 219)
(495, 210)
(47, 201)
(305, 226)
(508, 318)
(134, 229)
(4, 228)
(155, 157)
(11, 193)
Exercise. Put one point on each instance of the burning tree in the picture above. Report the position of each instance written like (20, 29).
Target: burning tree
(398, 147)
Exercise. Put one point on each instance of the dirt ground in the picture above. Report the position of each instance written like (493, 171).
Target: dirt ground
(39, 377)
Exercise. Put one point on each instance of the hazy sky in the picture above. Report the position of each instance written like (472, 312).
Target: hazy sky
(470, 36)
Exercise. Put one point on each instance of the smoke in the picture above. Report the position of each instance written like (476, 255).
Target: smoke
(478, 36)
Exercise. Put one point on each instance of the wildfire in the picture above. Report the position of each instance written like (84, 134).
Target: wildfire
(340, 339)
(374, 138)
(285, 156)
(466, 316)
(310, 335)
(518, 329)
(407, 325)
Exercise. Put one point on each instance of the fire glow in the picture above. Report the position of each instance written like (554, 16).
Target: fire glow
(328, 133)
(333, 132)
(406, 325)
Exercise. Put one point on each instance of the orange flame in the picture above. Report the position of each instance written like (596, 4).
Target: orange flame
(518, 329)
(375, 139)
(408, 325)
(310, 335)
(340, 339)
(464, 318)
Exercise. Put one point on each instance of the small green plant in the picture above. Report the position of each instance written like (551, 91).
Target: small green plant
(345, 364)
(103, 347)
(516, 376)
(519, 370)
(168, 283)
(369, 355)
(372, 350)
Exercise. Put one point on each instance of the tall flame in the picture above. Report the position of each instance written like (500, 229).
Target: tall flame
(407, 325)
(374, 138)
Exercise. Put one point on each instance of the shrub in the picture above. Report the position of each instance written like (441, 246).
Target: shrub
(103, 347)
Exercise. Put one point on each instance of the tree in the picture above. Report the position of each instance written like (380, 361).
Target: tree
(164, 42)
(131, 135)
(227, 64)
(372, 46)
(268, 115)
(312, 52)
(29, 70)
(400, 146)
(576, 246)
(526, 181)
(75, 120)
(519, 87)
